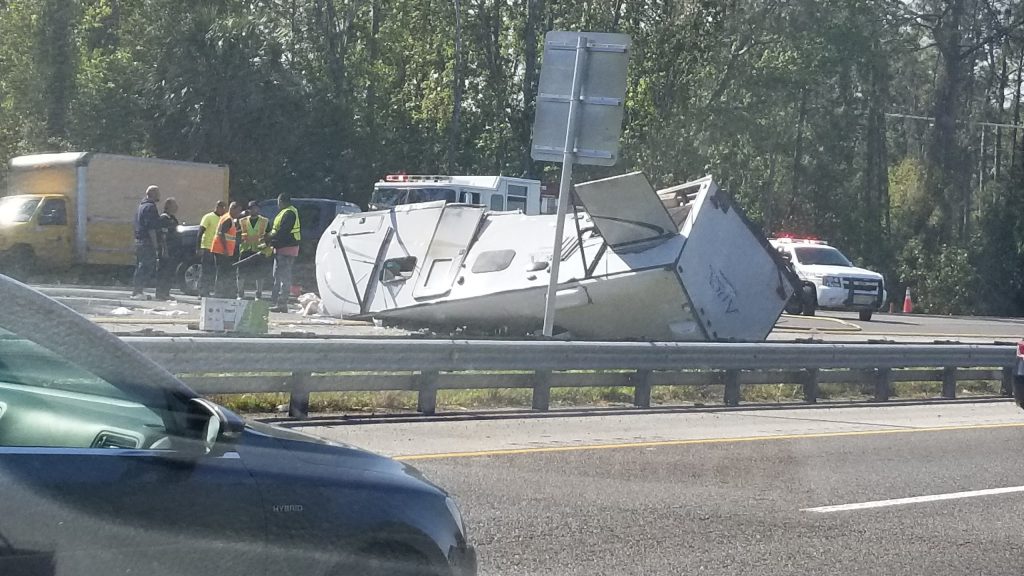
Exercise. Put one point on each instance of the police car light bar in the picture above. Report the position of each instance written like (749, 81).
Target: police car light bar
(791, 239)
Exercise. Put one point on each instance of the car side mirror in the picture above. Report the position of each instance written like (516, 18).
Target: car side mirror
(215, 428)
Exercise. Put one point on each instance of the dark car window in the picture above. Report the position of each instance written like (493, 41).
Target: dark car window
(309, 215)
(53, 213)
(821, 255)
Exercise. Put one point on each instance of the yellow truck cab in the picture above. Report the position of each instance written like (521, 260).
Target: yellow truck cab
(78, 208)
(34, 228)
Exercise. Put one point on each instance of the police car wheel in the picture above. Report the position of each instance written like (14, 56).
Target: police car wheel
(809, 300)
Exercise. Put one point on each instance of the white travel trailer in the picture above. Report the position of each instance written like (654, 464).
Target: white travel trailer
(685, 266)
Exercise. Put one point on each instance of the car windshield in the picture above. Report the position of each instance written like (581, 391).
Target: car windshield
(431, 195)
(15, 209)
(820, 256)
(387, 197)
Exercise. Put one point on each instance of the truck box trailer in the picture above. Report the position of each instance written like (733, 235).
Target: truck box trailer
(77, 208)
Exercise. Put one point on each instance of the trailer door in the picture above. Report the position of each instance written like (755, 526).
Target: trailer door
(448, 249)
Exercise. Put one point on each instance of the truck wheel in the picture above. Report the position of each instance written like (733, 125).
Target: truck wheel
(188, 277)
(19, 262)
(865, 315)
(809, 300)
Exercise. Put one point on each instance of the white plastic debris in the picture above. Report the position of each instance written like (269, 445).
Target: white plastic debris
(310, 304)
(159, 312)
(121, 311)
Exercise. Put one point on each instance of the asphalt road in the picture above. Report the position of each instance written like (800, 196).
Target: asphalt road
(728, 493)
(113, 309)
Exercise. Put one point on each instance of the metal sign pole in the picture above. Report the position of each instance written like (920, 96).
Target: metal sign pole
(565, 185)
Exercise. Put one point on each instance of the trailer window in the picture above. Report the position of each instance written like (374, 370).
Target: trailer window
(517, 197)
(493, 261)
(397, 269)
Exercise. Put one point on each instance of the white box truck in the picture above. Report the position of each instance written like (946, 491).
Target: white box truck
(78, 208)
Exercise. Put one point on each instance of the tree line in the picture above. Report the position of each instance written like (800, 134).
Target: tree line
(888, 127)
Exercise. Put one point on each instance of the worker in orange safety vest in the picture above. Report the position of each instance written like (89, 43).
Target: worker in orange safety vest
(224, 249)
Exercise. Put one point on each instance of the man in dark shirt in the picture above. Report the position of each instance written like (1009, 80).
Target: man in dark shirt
(169, 250)
(147, 222)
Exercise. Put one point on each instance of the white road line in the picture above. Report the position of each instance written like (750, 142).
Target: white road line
(914, 500)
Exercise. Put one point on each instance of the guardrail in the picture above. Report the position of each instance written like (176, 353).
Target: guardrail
(302, 366)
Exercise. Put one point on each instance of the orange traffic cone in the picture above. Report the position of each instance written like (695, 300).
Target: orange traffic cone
(908, 304)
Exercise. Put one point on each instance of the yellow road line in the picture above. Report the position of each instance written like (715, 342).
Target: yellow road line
(847, 326)
(661, 443)
(945, 335)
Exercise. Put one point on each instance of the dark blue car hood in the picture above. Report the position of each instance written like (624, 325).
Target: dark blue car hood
(325, 453)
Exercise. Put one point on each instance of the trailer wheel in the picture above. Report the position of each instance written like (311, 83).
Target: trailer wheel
(809, 299)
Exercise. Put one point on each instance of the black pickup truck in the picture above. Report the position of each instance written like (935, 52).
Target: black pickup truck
(315, 215)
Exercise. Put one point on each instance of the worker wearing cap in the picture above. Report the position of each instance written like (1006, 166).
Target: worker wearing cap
(253, 251)
(208, 261)
(224, 249)
(284, 237)
(168, 249)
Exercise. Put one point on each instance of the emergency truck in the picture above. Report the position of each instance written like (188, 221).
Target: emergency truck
(498, 193)
(828, 279)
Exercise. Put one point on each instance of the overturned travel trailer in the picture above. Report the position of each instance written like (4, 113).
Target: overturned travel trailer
(680, 264)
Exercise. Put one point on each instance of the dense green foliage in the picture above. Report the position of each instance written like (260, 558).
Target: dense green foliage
(799, 107)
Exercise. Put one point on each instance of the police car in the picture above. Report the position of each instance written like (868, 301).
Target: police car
(828, 279)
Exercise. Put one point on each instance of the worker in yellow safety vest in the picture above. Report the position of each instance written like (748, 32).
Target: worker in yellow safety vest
(207, 259)
(224, 248)
(284, 237)
(253, 252)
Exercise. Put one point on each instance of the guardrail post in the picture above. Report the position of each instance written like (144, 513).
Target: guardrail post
(1007, 381)
(298, 396)
(542, 390)
(426, 402)
(810, 382)
(883, 384)
(641, 388)
(949, 382)
(732, 387)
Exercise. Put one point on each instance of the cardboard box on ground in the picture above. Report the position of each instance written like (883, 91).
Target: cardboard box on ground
(242, 316)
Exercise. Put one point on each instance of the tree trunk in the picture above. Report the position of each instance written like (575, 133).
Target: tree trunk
(529, 85)
(943, 169)
(798, 149)
(1016, 108)
(453, 135)
(373, 55)
(55, 50)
